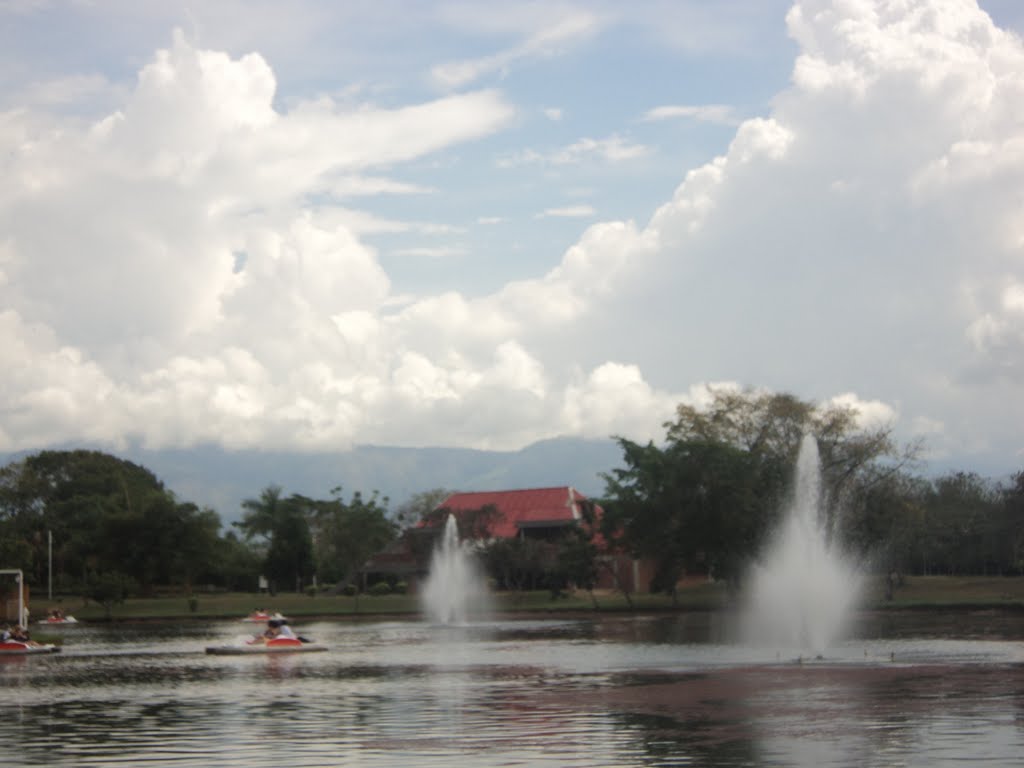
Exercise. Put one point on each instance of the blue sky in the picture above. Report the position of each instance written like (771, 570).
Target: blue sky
(309, 225)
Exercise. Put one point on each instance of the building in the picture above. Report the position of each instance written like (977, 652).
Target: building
(542, 514)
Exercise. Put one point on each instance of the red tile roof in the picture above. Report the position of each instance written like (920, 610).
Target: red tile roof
(522, 509)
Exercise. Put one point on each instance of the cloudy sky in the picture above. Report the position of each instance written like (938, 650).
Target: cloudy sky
(307, 225)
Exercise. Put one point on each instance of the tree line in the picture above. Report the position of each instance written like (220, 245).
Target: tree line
(704, 499)
(711, 494)
(102, 526)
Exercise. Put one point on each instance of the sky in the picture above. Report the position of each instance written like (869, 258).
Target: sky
(306, 225)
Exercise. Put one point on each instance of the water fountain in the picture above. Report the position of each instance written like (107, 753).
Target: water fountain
(804, 590)
(454, 586)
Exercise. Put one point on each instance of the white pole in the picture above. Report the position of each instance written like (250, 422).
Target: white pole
(49, 577)
(22, 619)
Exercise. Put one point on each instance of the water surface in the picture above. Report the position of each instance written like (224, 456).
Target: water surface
(910, 690)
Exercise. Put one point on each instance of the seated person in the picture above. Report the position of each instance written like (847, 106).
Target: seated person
(20, 634)
(273, 630)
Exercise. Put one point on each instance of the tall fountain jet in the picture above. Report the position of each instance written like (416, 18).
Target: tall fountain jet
(805, 589)
(454, 587)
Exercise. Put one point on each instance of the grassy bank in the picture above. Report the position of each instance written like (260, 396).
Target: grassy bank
(920, 592)
(950, 592)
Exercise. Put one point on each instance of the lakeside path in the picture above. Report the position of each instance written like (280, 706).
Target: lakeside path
(917, 592)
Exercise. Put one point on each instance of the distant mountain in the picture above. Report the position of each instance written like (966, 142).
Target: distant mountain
(213, 477)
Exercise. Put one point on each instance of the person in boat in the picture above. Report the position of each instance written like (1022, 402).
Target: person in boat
(56, 614)
(20, 634)
(283, 630)
(276, 628)
(272, 631)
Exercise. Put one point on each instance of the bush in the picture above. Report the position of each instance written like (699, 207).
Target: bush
(349, 590)
(380, 588)
(311, 591)
(400, 588)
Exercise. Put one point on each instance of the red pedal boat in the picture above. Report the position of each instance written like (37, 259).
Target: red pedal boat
(22, 648)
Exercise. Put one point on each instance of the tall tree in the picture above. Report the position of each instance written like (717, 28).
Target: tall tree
(283, 527)
(349, 532)
(106, 515)
(708, 497)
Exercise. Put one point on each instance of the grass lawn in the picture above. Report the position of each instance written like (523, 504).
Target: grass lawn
(917, 592)
(951, 592)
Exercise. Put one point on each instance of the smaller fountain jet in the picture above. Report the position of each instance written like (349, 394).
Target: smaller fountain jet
(453, 585)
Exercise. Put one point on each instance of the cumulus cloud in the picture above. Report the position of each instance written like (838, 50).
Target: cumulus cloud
(166, 276)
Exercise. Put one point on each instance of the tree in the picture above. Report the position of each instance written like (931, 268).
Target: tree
(519, 564)
(283, 526)
(420, 506)
(772, 425)
(692, 505)
(1013, 515)
(106, 515)
(708, 497)
(348, 533)
(578, 552)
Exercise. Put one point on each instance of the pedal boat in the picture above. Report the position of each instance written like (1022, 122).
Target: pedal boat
(262, 617)
(63, 620)
(21, 648)
(277, 645)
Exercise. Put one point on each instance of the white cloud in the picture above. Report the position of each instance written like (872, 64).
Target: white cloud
(571, 212)
(871, 414)
(705, 113)
(438, 252)
(614, 399)
(859, 244)
(613, 149)
(547, 37)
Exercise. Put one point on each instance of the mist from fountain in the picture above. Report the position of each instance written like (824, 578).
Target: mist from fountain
(455, 588)
(804, 591)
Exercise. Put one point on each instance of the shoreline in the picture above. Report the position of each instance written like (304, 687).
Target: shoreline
(918, 594)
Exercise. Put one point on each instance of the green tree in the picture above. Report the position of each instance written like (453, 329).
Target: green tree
(420, 506)
(106, 515)
(283, 528)
(708, 497)
(348, 533)
(1013, 516)
(691, 505)
(578, 551)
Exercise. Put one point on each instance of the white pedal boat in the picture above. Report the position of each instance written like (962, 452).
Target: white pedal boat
(262, 617)
(62, 620)
(277, 645)
(21, 648)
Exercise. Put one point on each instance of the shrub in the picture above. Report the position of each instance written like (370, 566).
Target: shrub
(400, 588)
(349, 590)
(380, 588)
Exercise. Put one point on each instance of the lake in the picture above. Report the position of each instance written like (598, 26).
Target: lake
(910, 689)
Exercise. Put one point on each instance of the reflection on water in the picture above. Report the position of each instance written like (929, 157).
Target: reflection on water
(617, 691)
